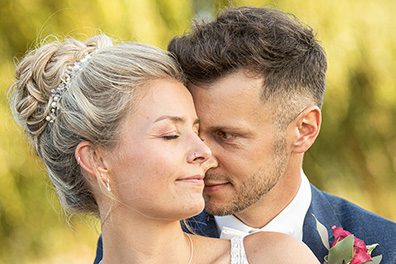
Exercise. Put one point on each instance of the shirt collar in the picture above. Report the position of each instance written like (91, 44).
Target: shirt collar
(290, 221)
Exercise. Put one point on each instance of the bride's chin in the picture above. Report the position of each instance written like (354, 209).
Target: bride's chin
(195, 212)
(191, 209)
(181, 212)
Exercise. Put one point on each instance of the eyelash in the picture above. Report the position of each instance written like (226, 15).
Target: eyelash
(170, 137)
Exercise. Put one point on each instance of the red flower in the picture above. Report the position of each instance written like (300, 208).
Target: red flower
(360, 250)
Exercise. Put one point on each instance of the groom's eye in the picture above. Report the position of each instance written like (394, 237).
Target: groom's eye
(225, 135)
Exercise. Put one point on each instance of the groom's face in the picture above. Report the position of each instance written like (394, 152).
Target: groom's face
(239, 129)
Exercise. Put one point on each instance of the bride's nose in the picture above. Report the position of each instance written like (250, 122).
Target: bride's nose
(201, 153)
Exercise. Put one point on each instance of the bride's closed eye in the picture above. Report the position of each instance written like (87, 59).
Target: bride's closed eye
(170, 137)
(165, 129)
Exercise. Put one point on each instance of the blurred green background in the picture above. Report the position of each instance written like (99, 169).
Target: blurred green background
(354, 156)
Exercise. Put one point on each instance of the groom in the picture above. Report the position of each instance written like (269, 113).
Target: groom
(257, 77)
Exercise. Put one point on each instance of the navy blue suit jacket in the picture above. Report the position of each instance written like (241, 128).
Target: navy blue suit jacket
(330, 211)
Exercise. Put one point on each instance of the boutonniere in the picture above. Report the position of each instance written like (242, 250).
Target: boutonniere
(346, 248)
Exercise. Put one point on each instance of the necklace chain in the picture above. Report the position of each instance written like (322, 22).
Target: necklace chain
(192, 250)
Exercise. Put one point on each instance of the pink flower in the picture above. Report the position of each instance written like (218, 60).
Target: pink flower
(360, 250)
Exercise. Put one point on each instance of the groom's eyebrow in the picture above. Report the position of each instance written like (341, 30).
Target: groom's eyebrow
(233, 128)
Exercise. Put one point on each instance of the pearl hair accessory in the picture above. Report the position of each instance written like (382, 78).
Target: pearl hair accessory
(56, 94)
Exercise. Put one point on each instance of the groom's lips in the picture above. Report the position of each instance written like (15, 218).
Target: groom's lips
(212, 187)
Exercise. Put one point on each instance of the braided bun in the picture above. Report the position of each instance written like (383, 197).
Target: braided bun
(98, 98)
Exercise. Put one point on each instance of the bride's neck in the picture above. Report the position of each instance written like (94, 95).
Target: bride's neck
(148, 241)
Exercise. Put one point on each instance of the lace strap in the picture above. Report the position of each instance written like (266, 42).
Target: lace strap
(238, 255)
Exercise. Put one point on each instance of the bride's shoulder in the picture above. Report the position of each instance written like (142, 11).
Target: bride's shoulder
(212, 250)
(272, 247)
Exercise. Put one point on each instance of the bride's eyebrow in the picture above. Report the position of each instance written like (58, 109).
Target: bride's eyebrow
(176, 119)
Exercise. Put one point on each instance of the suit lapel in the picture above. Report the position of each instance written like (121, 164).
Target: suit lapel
(322, 209)
(203, 224)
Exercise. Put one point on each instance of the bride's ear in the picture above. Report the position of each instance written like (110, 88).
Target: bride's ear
(90, 158)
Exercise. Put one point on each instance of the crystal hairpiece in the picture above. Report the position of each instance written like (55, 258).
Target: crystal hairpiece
(56, 94)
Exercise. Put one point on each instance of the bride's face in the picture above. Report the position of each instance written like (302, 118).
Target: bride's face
(158, 167)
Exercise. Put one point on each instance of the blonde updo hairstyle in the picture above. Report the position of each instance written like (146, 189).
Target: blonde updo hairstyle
(92, 109)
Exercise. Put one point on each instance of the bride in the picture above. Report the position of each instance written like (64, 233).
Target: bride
(118, 133)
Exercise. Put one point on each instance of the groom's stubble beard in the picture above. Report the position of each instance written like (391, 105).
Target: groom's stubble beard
(253, 188)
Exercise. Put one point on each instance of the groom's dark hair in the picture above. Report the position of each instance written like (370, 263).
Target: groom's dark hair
(263, 42)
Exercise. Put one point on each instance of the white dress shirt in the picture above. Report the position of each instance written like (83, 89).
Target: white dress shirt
(290, 221)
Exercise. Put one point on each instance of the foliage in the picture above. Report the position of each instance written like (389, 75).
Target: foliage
(354, 156)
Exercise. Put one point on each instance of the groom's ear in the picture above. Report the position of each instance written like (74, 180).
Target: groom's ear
(305, 128)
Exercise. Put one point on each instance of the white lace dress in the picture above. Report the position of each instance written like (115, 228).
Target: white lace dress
(238, 254)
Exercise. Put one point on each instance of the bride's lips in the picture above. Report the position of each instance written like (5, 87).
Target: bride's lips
(212, 187)
(192, 179)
